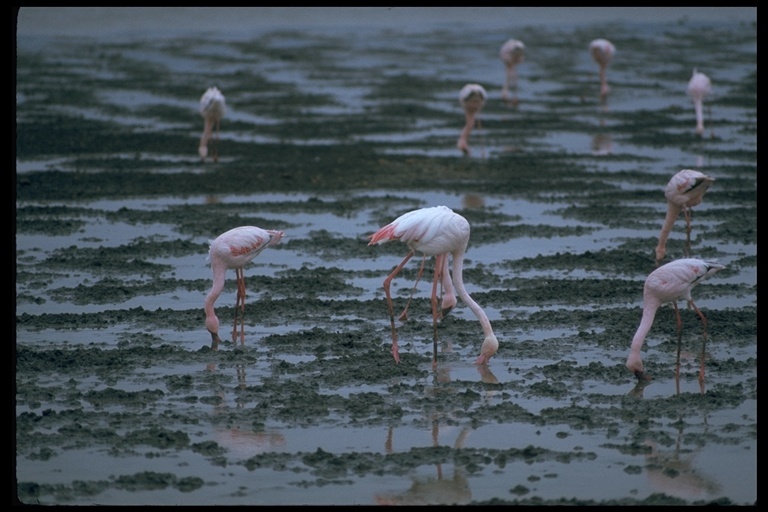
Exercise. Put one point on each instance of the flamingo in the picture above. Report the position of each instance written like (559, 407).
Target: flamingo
(234, 249)
(699, 87)
(212, 108)
(684, 190)
(436, 231)
(512, 53)
(670, 283)
(471, 98)
(602, 51)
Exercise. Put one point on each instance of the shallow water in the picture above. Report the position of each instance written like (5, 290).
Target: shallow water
(331, 132)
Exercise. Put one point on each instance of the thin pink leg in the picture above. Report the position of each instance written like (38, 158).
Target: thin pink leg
(704, 339)
(387, 283)
(439, 262)
(240, 304)
(404, 315)
(679, 341)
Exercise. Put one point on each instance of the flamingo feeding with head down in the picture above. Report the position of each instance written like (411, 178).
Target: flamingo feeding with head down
(435, 231)
(602, 51)
(684, 191)
(212, 108)
(471, 98)
(234, 249)
(670, 283)
(699, 87)
(512, 53)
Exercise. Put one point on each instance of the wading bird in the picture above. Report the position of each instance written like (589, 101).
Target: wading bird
(684, 191)
(471, 98)
(512, 53)
(437, 231)
(670, 283)
(234, 249)
(699, 87)
(602, 51)
(212, 108)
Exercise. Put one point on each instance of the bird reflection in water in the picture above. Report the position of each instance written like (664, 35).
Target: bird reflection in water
(241, 443)
(438, 489)
(472, 201)
(673, 472)
(602, 144)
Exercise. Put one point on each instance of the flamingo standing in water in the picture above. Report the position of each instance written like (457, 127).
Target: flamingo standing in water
(234, 249)
(471, 98)
(670, 283)
(437, 231)
(699, 87)
(212, 108)
(684, 190)
(602, 51)
(512, 53)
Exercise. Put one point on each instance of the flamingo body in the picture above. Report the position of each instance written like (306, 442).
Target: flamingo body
(669, 283)
(699, 87)
(212, 108)
(233, 250)
(437, 231)
(471, 98)
(602, 52)
(684, 190)
(511, 53)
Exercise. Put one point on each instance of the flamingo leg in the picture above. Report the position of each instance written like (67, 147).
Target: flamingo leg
(387, 283)
(439, 262)
(240, 304)
(449, 297)
(703, 341)
(404, 315)
(679, 341)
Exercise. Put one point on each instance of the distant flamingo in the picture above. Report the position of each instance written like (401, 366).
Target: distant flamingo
(471, 98)
(435, 231)
(602, 51)
(512, 53)
(670, 283)
(234, 249)
(699, 87)
(684, 191)
(212, 108)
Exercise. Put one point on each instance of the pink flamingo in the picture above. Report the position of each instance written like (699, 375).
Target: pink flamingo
(670, 283)
(602, 51)
(212, 108)
(234, 249)
(471, 98)
(512, 53)
(684, 190)
(699, 87)
(435, 231)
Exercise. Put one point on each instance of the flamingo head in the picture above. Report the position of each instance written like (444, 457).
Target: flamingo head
(635, 365)
(488, 349)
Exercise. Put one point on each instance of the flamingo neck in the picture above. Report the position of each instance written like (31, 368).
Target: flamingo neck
(219, 274)
(698, 106)
(634, 360)
(461, 291)
(673, 212)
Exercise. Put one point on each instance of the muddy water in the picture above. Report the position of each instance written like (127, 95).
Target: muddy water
(330, 134)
